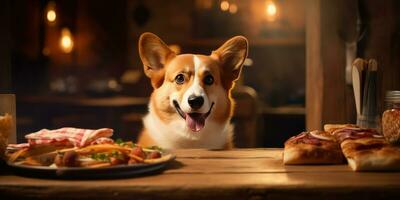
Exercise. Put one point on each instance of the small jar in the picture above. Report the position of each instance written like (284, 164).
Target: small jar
(391, 117)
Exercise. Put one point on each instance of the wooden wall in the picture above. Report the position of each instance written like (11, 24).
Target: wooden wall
(329, 24)
(383, 43)
(5, 62)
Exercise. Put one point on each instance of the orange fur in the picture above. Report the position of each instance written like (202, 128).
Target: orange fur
(145, 140)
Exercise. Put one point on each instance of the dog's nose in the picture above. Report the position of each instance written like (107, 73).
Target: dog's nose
(195, 102)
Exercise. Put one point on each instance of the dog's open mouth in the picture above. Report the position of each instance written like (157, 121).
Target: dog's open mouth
(195, 121)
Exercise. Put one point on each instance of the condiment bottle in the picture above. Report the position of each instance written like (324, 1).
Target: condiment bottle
(391, 117)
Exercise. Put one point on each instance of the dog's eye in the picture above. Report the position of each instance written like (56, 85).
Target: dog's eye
(208, 80)
(180, 79)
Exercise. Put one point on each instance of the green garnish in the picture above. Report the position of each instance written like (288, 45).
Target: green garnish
(104, 157)
(133, 145)
(119, 141)
(114, 153)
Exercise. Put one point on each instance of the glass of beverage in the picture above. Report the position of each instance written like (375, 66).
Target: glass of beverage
(7, 122)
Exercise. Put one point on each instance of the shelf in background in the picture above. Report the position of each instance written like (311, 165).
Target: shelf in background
(285, 110)
(114, 101)
(292, 41)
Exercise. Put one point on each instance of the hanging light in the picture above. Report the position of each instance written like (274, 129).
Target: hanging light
(51, 14)
(224, 5)
(248, 62)
(233, 8)
(271, 10)
(66, 41)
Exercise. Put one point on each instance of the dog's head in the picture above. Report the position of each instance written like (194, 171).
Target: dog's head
(192, 89)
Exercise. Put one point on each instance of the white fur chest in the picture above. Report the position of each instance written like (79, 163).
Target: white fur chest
(175, 134)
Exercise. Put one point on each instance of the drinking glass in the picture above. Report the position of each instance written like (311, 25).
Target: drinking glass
(7, 121)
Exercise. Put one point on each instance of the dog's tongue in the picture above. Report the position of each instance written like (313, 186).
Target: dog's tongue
(195, 121)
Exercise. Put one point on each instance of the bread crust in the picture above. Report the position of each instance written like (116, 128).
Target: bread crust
(371, 154)
(295, 154)
(297, 151)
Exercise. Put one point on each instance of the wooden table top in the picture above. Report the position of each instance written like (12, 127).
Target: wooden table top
(234, 174)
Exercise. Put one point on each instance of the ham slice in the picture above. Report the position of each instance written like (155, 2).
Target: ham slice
(306, 138)
(354, 133)
(67, 136)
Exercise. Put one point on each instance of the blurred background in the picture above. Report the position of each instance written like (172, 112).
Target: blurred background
(76, 63)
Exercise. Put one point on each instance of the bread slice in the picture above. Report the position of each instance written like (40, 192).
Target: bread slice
(365, 150)
(315, 147)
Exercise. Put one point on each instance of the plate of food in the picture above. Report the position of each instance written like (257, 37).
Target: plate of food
(81, 153)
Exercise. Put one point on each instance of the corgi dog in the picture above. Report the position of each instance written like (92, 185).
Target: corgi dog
(191, 105)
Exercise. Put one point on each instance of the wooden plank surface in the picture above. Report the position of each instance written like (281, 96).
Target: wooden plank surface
(203, 174)
(241, 161)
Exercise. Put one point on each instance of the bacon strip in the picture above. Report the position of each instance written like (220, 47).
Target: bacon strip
(75, 136)
(306, 138)
(68, 136)
(354, 133)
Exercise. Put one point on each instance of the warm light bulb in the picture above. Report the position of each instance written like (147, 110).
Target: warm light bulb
(271, 10)
(233, 8)
(51, 15)
(224, 5)
(66, 42)
(248, 62)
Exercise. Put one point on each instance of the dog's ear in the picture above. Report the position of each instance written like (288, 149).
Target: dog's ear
(154, 54)
(231, 55)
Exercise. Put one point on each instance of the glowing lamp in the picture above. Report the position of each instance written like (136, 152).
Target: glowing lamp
(233, 8)
(51, 14)
(66, 41)
(271, 10)
(224, 5)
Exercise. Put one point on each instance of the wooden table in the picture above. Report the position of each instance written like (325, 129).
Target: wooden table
(202, 174)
